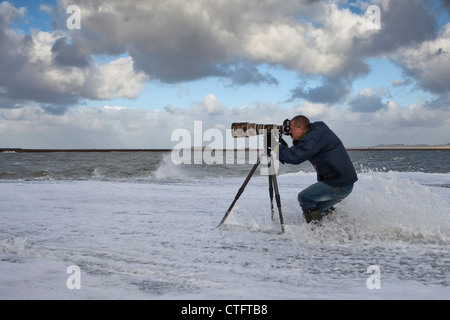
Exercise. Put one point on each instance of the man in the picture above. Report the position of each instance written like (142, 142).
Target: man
(335, 172)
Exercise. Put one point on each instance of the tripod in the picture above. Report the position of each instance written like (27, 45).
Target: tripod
(273, 184)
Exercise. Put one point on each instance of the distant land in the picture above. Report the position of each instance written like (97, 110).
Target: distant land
(378, 147)
(401, 146)
(20, 150)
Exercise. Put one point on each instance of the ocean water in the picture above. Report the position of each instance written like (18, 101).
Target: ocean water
(134, 225)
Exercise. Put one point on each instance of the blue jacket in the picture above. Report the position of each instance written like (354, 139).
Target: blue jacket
(326, 153)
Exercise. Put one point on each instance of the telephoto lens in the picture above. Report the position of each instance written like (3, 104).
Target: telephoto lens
(246, 129)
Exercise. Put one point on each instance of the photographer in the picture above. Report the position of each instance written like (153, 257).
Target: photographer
(336, 175)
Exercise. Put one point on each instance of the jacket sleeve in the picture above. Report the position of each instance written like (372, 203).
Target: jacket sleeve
(300, 152)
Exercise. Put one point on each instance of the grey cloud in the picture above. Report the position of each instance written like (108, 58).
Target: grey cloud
(434, 82)
(49, 69)
(398, 82)
(446, 4)
(20, 78)
(69, 54)
(403, 23)
(166, 40)
(9, 13)
(442, 102)
(173, 43)
(6, 103)
(428, 63)
(22, 81)
(172, 109)
(172, 68)
(55, 110)
(176, 41)
(366, 103)
(406, 28)
(247, 73)
(332, 90)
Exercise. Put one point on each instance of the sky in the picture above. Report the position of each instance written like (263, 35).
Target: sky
(133, 74)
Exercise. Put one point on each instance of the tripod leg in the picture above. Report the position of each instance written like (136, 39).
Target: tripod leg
(271, 195)
(268, 145)
(278, 199)
(241, 189)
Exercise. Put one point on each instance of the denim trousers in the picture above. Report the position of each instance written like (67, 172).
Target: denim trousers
(322, 196)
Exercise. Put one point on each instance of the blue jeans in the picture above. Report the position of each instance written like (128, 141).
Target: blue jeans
(322, 196)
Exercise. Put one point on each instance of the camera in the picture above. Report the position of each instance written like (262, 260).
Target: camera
(246, 129)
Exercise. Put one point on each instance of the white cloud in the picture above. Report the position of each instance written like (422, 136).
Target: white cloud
(314, 110)
(115, 79)
(113, 127)
(211, 105)
(9, 12)
(30, 71)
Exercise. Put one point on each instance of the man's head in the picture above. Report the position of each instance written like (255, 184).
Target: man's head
(299, 127)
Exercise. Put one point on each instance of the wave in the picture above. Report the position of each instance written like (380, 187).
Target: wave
(16, 245)
(383, 208)
(145, 166)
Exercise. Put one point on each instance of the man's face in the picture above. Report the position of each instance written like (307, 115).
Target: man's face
(296, 131)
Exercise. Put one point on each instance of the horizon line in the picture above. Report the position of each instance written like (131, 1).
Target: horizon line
(50, 150)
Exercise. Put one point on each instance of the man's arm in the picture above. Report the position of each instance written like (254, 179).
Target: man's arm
(300, 152)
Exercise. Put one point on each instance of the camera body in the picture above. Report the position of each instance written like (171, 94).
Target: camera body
(246, 129)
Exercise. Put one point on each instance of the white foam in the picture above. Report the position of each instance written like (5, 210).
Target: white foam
(152, 240)
(168, 170)
(16, 245)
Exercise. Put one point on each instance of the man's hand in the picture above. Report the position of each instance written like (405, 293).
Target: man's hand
(284, 143)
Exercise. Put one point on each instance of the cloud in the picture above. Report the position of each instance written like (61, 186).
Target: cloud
(124, 127)
(113, 80)
(398, 82)
(332, 90)
(177, 41)
(27, 75)
(209, 107)
(365, 101)
(69, 55)
(9, 13)
(45, 76)
(247, 73)
(172, 41)
(446, 4)
(428, 62)
(441, 102)
(47, 68)
(403, 23)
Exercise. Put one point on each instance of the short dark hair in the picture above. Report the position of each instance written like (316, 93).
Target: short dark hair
(300, 121)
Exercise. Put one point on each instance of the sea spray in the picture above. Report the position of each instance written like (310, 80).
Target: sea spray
(382, 208)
